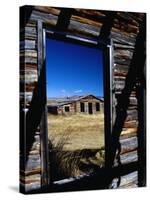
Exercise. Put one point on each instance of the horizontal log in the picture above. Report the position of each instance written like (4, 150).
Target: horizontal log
(126, 158)
(132, 115)
(137, 16)
(122, 60)
(30, 179)
(128, 144)
(124, 26)
(118, 44)
(28, 53)
(34, 152)
(28, 66)
(120, 70)
(27, 87)
(128, 134)
(44, 17)
(30, 30)
(25, 96)
(85, 21)
(119, 85)
(47, 10)
(127, 181)
(28, 72)
(128, 18)
(131, 124)
(123, 38)
(83, 28)
(28, 79)
(122, 53)
(32, 172)
(32, 186)
(87, 12)
(33, 162)
(28, 44)
(128, 131)
(25, 59)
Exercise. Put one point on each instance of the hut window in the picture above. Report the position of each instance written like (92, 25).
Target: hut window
(97, 107)
(67, 109)
(82, 107)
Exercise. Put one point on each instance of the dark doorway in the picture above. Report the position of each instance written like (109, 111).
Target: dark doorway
(82, 107)
(97, 107)
(90, 108)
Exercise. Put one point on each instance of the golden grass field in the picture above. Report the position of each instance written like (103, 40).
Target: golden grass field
(78, 142)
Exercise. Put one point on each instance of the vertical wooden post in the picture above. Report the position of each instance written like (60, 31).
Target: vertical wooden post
(108, 64)
(43, 124)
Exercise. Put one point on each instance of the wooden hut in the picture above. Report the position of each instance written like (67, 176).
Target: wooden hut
(88, 104)
(125, 143)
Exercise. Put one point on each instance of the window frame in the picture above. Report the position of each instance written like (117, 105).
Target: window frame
(107, 49)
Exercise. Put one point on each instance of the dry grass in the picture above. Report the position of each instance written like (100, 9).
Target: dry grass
(79, 131)
(77, 143)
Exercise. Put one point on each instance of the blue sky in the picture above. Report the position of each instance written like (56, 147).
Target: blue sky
(73, 69)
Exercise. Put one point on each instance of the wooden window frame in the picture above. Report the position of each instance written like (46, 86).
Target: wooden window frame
(106, 47)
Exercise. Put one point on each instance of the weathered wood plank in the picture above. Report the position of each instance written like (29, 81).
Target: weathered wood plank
(44, 17)
(26, 96)
(33, 161)
(31, 186)
(28, 44)
(119, 44)
(28, 66)
(128, 132)
(127, 181)
(126, 158)
(46, 9)
(122, 53)
(128, 144)
(125, 16)
(30, 178)
(123, 38)
(122, 60)
(125, 27)
(28, 79)
(131, 124)
(28, 53)
(83, 28)
(86, 21)
(32, 172)
(25, 59)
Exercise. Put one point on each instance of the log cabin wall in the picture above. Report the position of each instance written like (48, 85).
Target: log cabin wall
(87, 24)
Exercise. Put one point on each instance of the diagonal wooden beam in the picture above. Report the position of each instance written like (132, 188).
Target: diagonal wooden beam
(64, 19)
(135, 69)
(107, 26)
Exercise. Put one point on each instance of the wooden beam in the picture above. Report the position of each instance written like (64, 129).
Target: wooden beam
(107, 26)
(136, 67)
(43, 123)
(64, 19)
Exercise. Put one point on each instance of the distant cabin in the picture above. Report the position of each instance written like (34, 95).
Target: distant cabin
(88, 104)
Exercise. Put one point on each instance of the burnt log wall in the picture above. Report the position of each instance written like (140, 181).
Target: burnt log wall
(87, 24)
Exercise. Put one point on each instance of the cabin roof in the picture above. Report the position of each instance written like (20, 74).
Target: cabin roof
(69, 100)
